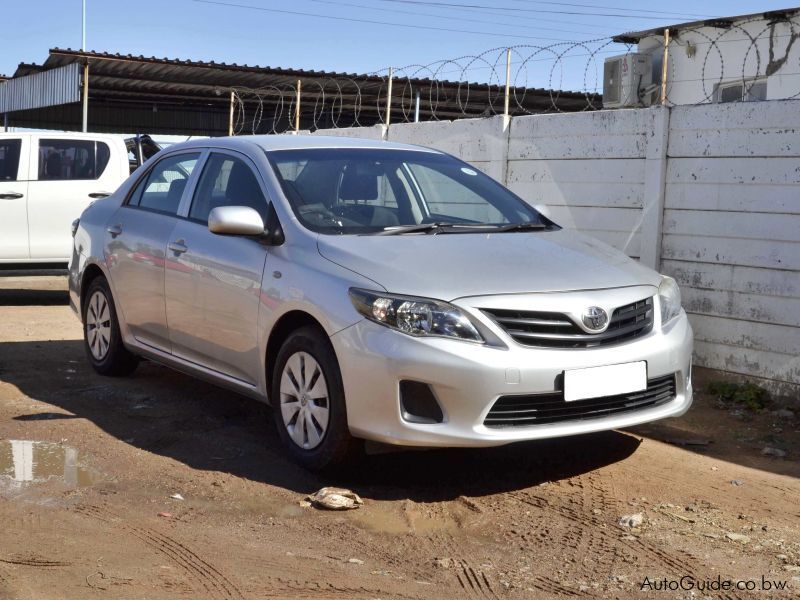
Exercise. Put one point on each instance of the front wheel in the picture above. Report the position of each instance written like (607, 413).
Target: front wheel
(101, 336)
(308, 402)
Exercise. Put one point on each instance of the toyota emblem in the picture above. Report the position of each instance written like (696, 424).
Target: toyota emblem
(595, 318)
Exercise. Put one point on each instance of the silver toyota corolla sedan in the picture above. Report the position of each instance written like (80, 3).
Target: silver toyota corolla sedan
(372, 290)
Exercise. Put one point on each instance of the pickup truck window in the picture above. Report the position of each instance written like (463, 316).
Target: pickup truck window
(9, 159)
(61, 160)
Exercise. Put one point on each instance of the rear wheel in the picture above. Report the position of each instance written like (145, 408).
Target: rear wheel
(102, 339)
(308, 402)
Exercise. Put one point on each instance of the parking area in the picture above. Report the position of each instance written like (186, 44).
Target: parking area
(161, 486)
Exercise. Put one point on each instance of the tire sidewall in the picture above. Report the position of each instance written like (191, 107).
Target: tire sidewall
(336, 443)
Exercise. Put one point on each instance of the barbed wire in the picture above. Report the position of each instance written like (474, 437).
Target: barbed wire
(703, 64)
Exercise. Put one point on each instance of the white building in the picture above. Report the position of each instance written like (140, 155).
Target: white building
(749, 57)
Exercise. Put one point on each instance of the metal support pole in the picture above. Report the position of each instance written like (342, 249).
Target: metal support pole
(297, 107)
(664, 69)
(508, 82)
(5, 122)
(85, 97)
(416, 110)
(389, 97)
(83, 26)
(230, 113)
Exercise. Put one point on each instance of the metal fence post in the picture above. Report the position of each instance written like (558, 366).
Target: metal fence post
(85, 117)
(416, 110)
(664, 69)
(230, 113)
(297, 108)
(389, 98)
(508, 82)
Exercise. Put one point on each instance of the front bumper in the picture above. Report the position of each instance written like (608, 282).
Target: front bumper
(468, 378)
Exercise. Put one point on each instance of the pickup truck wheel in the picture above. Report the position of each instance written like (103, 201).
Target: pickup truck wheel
(308, 402)
(102, 339)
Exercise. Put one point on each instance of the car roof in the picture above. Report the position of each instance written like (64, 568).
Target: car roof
(295, 142)
(60, 134)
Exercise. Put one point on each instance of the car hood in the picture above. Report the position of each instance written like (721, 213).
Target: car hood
(450, 266)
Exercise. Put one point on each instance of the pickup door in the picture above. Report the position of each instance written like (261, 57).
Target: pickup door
(13, 198)
(69, 175)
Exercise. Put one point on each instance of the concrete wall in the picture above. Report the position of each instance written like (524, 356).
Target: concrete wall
(731, 233)
(709, 194)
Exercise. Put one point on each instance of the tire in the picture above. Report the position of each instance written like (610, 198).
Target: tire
(101, 337)
(308, 403)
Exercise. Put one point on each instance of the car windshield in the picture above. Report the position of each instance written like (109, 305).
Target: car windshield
(384, 191)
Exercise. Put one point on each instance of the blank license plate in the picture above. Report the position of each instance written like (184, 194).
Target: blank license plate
(596, 382)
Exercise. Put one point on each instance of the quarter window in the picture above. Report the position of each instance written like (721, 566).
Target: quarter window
(226, 181)
(9, 159)
(162, 188)
(61, 160)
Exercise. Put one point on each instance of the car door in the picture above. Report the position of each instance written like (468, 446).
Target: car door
(70, 173)
(14, 153)
(213, 282)
(136, 244)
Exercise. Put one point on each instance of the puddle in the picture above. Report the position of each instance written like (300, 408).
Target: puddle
(24, 462)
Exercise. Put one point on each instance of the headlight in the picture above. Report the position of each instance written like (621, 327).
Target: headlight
(415, 316)
(669, 295)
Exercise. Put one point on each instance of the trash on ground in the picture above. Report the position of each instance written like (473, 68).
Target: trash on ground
(333, 498)
(631, 521)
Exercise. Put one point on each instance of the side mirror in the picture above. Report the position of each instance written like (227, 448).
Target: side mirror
(235, 220)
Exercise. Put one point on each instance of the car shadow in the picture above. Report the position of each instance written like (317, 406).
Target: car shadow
(207, 428)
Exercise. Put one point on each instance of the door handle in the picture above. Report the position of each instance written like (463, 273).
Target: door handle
(99, 194)
(10, 196)
(114, 230)
(177, 247)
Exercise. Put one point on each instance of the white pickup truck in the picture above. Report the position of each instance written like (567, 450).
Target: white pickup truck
(47, 179)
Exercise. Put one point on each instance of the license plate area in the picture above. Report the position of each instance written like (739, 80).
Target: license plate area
(610, 380)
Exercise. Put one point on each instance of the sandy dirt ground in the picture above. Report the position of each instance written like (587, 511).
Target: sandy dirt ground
(88, 466)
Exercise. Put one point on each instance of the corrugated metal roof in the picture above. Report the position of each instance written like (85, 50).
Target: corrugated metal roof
(135, 93)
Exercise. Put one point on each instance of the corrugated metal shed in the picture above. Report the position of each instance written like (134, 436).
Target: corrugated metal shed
(171, 96)
(37, 90)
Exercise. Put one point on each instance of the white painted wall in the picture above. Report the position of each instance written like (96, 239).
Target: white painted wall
(703, 57)
(709, 194)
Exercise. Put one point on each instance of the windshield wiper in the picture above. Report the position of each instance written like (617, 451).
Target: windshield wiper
(531, 226)
(418, 228)
(434, 228)
(439, 227)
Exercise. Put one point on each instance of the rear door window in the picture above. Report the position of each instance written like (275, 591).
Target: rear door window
(9, 159)
(68, 160)
(162, 188)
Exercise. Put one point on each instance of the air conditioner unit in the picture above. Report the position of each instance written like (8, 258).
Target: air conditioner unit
(624, 78)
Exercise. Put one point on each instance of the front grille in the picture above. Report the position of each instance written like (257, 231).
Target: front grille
(540, 409)
(557, 330)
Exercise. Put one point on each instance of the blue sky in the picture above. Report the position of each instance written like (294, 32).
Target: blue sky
(202, 30)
